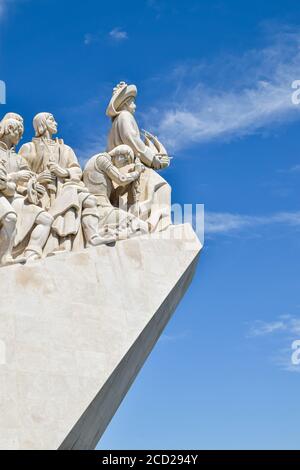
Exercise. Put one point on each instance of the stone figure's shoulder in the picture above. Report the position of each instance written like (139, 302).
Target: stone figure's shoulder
(125, 115)
(127, 124)
(90, 164)
(21, 161)
(102, 162)
(27, 150)
(67, 148)
(69, 153)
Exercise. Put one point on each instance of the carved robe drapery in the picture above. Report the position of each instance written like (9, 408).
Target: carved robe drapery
(16, 199)
(155, 192)
(64, 197)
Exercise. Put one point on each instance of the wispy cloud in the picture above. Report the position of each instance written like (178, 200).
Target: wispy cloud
(226, 223)
(261, 328)
(92, 38)
(285, 330)
(117, 34)
(158, 6)
(293, 169)
(233, 96)
(88, 39)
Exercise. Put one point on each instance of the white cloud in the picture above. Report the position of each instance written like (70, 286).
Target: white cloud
(261, 328)
(117, 34)
(226, 223)
(88, 39)
(289, 324)
(294, 169)
(234, 96)
(285, 330)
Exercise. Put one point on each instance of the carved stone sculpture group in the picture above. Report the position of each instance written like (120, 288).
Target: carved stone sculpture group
(48, 204)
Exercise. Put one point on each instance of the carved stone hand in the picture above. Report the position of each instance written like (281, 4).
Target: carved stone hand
(58, 170)
(161, 161)
(20, 176)
(3, 183)
(45, 177)
(139, 167)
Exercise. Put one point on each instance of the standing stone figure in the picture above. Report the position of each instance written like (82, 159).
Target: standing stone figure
(25, 224)
(101, 175)
(155, 192)
(66, 198)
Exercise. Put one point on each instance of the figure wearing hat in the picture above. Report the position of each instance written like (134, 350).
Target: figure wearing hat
(155, 192)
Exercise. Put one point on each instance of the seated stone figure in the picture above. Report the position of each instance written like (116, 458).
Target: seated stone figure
(25, 225)
(103, 178)
(155, 193)
(67, 199)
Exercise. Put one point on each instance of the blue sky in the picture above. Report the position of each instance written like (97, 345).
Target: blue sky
(214, 80)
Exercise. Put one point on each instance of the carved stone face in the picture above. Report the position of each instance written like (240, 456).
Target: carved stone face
(121, 160)
(130, 105)
(15, 134)
(51, 124)
(122, 156)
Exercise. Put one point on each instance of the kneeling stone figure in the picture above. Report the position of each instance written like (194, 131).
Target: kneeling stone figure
(103, 178)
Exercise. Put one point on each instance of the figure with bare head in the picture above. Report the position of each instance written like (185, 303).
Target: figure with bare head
(66, 199)
(104, 178)
(25, 224)
(15, 116)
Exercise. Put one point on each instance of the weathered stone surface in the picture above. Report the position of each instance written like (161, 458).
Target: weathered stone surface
(76, 328)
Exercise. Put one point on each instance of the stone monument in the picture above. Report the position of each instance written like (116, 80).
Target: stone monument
(91, 271)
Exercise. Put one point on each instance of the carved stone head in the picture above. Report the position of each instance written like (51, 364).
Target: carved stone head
(122, 155)
(44, 122)
(16, 116)
(11, 132)
(123, 98)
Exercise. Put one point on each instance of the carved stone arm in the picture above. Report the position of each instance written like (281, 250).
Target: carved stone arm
(122, 179)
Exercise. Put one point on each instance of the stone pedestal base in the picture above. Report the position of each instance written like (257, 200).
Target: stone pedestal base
(76, 328)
